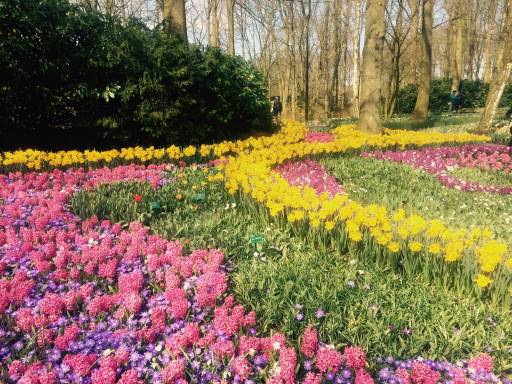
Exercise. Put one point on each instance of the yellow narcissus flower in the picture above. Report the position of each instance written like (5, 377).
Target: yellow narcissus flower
(393, 246)
(491, 254)
(329, 225)
(434, 248)
(415, 246)
(482, 281)
(399, 215)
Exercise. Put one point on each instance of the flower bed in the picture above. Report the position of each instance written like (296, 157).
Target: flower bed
(411, 241)
(90, 302)
(311, 174)
(441, 161)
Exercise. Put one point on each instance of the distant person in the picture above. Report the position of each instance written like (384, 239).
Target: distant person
(455, 101)
(277, 108)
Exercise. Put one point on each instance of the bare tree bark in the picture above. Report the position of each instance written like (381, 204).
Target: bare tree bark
(174, 18)
(369, 120)
(420, 112)
(415, 7)
(488, 44)
(356, 41)
(337, 56)
(230, 5)
(213, 18)
(503, 70)
(458, 32)
(307, 64)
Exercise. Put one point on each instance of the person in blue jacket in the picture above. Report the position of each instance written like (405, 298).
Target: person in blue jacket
(455, 101)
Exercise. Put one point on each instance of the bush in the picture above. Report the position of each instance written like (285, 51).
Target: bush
(76, 78)
(474, 94)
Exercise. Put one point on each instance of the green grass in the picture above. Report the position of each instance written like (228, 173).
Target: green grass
(485, 177)
(284, 270)
(443, 122)
(400, 186)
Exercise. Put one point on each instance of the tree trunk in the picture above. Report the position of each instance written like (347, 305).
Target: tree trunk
(420, 112)
(230, 5)
(369, 120)
(337, 56)
(356, 39)
(414, 6)
(213, 18)
(324, 78)
(122, 5)
(174, 18)
(458, 31)
(503, 69)
(488, 53)
(307, 17)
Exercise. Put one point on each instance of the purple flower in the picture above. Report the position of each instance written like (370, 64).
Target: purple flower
(319, 313)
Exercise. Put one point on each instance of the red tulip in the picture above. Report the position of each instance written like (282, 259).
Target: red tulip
(137, 198)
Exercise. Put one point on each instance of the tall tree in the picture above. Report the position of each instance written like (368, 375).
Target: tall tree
(174, 18)
(489, 39)
(502, 70)
(306, 13)
(230, 8)
(213, 18)
(369, 120)
(356, 35)
(457, 25)
(415, 8)
(420, 112)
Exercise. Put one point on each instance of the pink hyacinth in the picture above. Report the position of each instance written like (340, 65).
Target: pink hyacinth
(309, 341)
(354, 357)
(328, 360)
(481, 363)
(363, 377)
(423, 374)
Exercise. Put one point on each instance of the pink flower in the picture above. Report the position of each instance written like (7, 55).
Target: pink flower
(173, 372)
(241, 367)
(403, 375)
(363, 377)
(481, 363)
(309, 342)
(328, 360)
(81, 363)
(103, 375)
(423, 374)
(312, 378)
(130, 377)
(354, 357)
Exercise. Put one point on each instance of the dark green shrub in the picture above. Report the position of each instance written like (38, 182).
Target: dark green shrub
(75, 78)
(474, 94)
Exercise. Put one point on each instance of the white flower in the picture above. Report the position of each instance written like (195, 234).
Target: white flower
(276, 346)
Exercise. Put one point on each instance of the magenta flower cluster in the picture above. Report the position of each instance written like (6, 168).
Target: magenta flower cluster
(312, 174)
(319, 137)
(86, 301)
(441, 161)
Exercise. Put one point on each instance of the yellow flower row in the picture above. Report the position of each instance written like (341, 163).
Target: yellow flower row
(252, 174)
(37, 160)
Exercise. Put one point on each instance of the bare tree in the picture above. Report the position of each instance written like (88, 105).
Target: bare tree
(420, 112)
(213, 23)
(355, 57)
(230, 8)
(369, 120)
(174, 18)
(503, 69)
